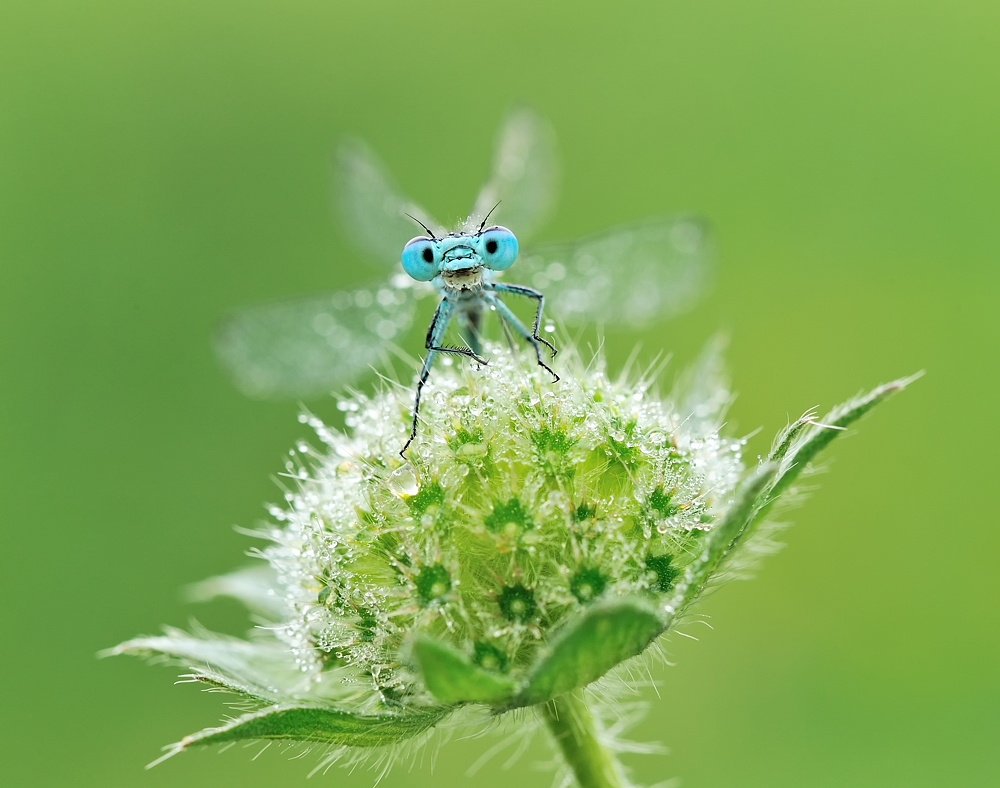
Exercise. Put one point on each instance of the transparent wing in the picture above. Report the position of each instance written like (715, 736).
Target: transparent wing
(373, 209)
(633, 274)
(523, 179)
(309, 346)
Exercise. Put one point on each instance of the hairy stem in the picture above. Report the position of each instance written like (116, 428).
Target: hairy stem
(572, 727)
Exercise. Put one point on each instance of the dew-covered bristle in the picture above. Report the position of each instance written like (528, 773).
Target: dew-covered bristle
(523, 500)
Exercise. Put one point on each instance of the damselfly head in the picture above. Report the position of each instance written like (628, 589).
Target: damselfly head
(424, 257)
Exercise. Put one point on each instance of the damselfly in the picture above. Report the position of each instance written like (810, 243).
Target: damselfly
(309, 346)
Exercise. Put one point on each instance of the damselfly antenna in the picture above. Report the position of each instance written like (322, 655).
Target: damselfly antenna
(428, 229)
(488, 215)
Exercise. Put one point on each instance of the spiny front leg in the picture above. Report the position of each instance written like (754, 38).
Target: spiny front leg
(540, 298)
(433, 346)
(425, 372)
(536, 342)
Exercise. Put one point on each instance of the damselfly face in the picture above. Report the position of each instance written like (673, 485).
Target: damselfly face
(459, 259)
(311, 346)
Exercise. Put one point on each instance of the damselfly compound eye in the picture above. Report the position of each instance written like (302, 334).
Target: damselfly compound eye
(420, 258)
(498, 248)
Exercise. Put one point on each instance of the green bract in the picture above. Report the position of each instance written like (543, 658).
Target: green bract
(540, 536)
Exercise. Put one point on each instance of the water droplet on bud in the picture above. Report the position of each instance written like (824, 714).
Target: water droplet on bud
(403, 481)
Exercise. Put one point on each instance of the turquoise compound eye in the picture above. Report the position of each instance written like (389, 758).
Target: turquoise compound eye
(420, 259)
(498, 248)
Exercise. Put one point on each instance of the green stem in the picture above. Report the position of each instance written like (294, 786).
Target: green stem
(572, 726)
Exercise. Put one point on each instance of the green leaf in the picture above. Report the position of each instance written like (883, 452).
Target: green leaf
(253, 586)
(314, 724)
(794, 448)
(452, 678)
(220, 682)
(605, 635)
(799, 447)
(721, 539)
(266, 665)
(784, 440)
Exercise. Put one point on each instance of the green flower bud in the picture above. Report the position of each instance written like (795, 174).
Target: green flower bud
(539, 535)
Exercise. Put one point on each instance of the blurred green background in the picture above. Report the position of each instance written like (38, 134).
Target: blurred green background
(161, 163)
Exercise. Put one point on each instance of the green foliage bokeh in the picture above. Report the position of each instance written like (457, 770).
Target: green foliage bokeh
(161, 163)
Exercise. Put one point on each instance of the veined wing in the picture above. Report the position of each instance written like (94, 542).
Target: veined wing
(374, 211)
(524, 174)
(309, 346)
(633, 274)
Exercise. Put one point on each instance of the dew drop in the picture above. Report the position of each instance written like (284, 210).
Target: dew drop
(403, 481)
